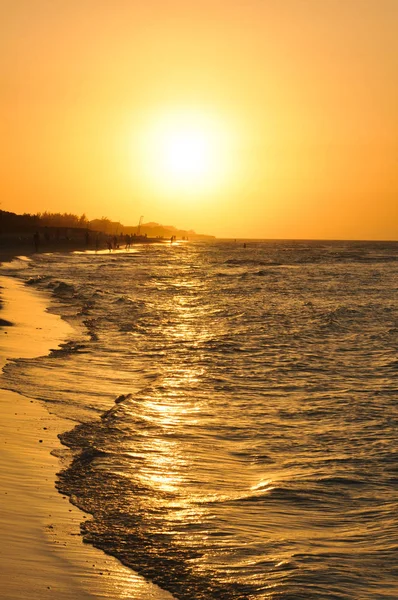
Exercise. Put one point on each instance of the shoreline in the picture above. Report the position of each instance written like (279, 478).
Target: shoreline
(16, 246)
(43, 551)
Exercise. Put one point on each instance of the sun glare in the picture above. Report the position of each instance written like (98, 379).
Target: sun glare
(186, 151)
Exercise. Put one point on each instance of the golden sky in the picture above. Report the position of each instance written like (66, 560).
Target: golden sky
(254, 118)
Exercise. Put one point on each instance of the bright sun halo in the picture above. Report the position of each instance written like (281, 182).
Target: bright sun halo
(186, 152)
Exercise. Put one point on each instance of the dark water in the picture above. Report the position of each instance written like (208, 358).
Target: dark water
(253, 453)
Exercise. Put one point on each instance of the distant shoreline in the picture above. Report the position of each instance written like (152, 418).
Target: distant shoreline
(11, 247)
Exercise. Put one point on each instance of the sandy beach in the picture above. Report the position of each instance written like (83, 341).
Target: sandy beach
(42, 554)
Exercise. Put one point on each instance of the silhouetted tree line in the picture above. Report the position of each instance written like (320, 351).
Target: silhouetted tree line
(12, 223)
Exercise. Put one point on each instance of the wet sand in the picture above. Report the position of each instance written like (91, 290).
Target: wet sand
(42, 554)
(14, 247)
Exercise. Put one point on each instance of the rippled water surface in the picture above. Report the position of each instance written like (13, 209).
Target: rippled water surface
(252, 448)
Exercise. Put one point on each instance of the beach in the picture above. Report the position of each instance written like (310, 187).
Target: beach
(42, 552)
(230, 412)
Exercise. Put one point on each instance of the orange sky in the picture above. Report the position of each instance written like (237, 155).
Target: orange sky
(304, 91)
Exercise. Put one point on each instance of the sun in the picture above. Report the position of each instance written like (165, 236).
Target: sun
(186, 154)
(186, 151)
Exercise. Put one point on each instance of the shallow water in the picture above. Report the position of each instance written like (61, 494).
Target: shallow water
(253, 453)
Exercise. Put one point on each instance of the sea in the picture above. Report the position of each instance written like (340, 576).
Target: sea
(233, 412)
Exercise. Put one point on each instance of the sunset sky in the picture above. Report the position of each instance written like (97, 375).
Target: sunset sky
(254, 118)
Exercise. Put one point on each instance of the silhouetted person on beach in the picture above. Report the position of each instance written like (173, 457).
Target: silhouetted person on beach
(36, 240)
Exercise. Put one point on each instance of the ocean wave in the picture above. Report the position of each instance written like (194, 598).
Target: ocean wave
(251, 449)
(70, 347)
(61, 288)
(39, 279)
